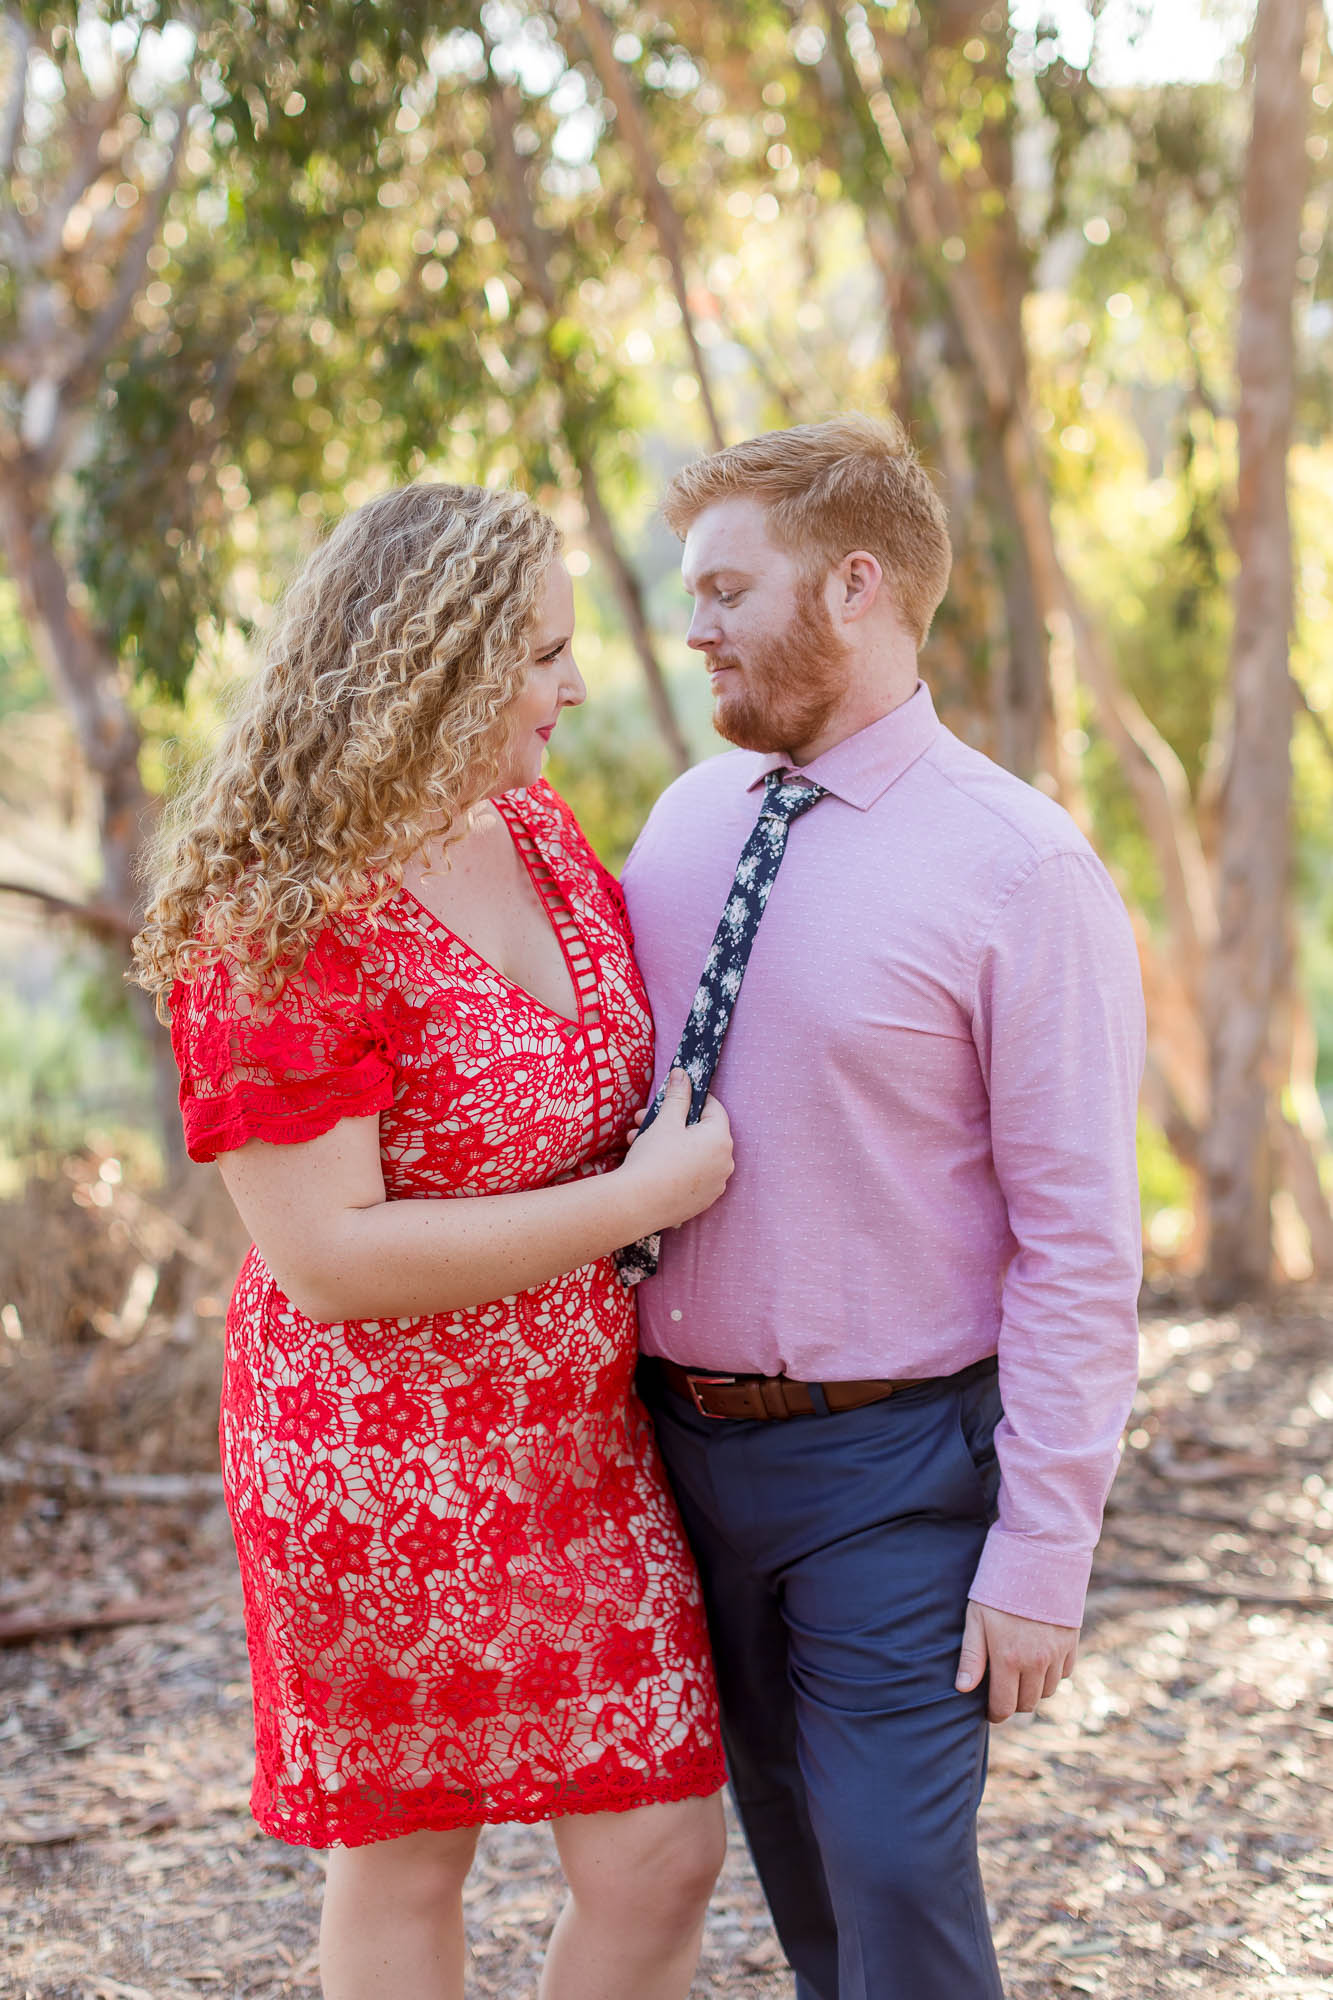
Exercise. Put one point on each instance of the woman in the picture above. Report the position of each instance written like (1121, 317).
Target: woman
(394, 973)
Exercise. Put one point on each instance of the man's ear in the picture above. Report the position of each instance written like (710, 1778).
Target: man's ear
(860, 585)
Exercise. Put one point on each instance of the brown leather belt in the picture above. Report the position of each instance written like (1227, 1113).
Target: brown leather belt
(756, 1397)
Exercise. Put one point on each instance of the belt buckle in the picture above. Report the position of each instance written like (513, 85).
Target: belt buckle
(697, 1381)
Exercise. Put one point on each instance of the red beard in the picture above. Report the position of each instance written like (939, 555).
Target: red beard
(792, 684)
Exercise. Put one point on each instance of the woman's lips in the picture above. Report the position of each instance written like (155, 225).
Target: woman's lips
(547, 732)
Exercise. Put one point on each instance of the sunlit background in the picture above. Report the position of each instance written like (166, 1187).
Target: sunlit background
(507, 244)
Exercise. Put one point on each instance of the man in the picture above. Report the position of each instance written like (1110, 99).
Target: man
(931, 1075)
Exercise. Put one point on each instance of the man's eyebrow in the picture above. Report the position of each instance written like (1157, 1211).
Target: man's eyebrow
(711, 576)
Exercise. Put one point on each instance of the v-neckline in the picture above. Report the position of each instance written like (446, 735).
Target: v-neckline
(582, 978)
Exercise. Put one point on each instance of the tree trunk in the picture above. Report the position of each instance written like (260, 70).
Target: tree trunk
(530, 242)
(1251, 964)
(630, 594)
(633, 129)
(935, 208)
(87, 680)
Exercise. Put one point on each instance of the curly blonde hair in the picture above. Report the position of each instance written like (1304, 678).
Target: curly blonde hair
(377, 720)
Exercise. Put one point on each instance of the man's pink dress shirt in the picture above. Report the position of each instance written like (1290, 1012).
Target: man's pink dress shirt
(931, 1075)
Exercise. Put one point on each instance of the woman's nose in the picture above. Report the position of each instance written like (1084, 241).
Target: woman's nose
(575, 688)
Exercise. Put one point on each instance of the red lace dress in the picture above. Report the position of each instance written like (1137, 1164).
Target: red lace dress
(467, 1593)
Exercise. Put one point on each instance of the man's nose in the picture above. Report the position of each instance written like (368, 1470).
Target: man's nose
(703, 631)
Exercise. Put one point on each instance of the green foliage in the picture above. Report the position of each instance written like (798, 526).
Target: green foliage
(145, 545)
(68, 1058)
(610, 765)
(23, 685)
(1165, 1190)
(346, 291)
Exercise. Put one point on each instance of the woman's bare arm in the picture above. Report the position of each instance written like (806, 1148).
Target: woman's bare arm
(340, 1250)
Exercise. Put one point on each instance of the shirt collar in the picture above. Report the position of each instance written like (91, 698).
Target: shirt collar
(861, 768)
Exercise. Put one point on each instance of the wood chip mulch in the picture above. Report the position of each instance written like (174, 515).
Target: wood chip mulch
(1163, 1827)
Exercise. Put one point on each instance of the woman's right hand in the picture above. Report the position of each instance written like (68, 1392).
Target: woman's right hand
(678, 1170)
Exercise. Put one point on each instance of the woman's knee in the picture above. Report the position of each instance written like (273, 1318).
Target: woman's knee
(658, 1864)
(404, 1878)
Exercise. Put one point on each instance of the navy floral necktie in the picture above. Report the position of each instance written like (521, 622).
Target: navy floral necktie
(724, 968)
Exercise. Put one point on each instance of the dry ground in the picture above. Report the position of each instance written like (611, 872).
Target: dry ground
(1164, 1827)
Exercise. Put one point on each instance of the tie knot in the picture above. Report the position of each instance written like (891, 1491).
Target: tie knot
(787, 798)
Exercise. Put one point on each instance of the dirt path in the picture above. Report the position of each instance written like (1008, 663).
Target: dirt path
(1163, 1827)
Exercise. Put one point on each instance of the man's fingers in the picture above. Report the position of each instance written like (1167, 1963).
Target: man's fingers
(972, 1658)
(1031, 1687)
(1002, 1692)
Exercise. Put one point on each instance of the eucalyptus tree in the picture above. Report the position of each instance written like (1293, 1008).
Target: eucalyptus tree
(260, 258)
(161, 171)
(1251, 969)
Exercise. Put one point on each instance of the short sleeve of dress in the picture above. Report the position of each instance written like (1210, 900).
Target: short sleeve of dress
(282, 1066)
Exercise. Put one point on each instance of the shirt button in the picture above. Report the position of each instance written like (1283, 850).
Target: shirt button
(677, 1314)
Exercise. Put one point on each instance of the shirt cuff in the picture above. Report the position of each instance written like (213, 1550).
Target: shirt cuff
(1031, 1579)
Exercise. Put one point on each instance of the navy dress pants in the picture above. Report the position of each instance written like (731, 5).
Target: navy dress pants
(836, 1554)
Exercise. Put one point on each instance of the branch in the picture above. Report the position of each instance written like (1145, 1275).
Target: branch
(519, 221)
(99, 918)
(633, 127)
(87, 167)
(1214, 1590)
(787, 395)
(630, 593)
(1153, 769)
(20, 1628)
(518, 215)
(1321, 728)
(1189, 308)
(18, 243)
(52, 1469)
(1298, 1170)
(107, 326)
(85, 678)
(15, 112)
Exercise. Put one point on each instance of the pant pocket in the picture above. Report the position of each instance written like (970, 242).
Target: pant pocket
(977, 1411)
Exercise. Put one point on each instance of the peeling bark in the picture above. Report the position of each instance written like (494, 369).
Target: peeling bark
(1251, 968)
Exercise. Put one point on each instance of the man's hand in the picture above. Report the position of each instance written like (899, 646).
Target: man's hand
(1026, 1658)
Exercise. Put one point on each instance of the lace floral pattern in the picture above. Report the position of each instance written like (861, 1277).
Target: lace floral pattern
(467, 1593)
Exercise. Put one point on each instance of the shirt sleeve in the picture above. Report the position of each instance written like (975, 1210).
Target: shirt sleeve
(1059, 1029)
(284, 1065)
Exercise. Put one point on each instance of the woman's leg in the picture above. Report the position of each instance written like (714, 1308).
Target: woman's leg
(393, 1918)
(639, 1884)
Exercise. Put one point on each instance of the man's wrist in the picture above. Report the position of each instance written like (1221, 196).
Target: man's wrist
(1020, 1575)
